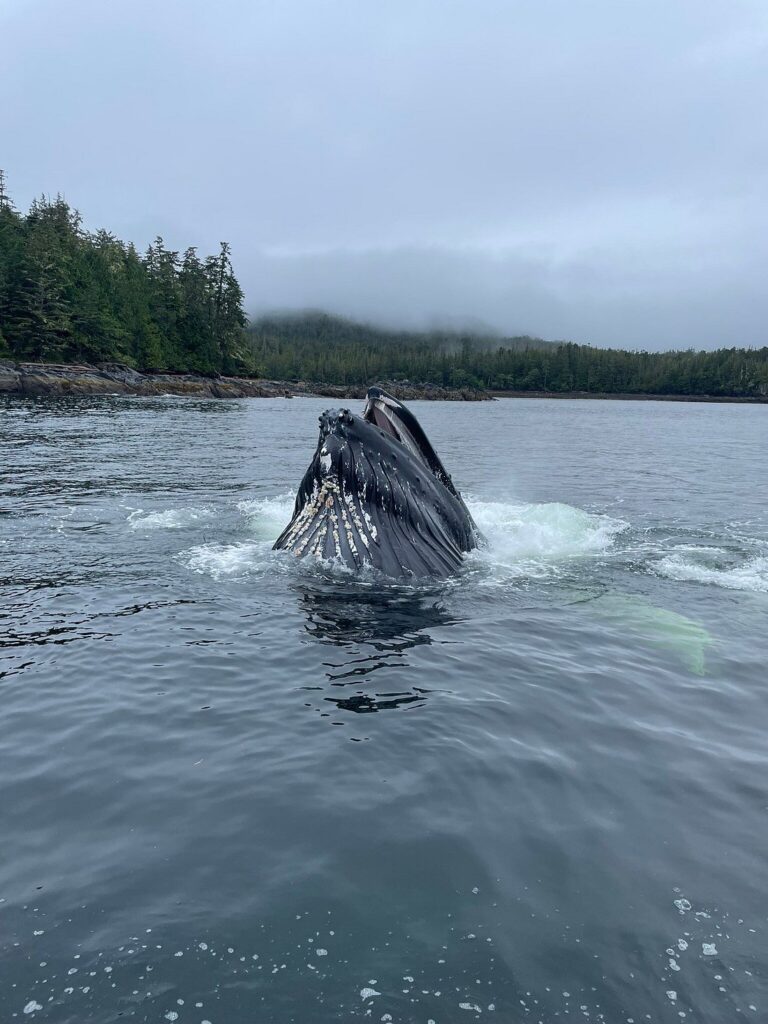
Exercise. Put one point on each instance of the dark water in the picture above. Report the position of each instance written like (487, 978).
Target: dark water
(235, 789)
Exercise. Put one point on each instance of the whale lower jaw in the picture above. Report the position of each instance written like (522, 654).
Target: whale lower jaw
(336, 525)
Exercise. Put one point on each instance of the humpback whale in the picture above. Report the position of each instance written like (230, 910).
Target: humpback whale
(376, 494)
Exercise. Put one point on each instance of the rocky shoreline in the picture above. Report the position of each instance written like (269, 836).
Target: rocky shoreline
(60, 379)
(63, 379)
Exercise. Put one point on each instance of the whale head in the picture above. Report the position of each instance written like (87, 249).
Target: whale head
(376, 494)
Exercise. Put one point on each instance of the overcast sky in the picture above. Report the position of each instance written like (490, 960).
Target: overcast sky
(586, 169)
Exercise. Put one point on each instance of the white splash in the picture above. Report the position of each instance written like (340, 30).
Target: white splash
(226, 560)
(532, 539)
(692, 567)
(268, 517)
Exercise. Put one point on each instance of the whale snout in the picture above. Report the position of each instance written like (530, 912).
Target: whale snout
(333, 459)
(335, 421)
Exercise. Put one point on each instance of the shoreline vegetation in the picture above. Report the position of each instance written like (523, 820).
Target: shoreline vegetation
(84, 313)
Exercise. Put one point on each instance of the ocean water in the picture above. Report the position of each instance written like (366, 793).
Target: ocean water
(240, 789)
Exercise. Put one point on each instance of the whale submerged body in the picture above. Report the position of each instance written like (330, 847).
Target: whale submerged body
(376, 494)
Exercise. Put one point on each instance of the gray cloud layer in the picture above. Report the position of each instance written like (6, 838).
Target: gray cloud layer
(593, 170)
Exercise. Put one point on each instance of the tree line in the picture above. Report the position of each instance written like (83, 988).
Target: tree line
(69, 295)
(321, 348)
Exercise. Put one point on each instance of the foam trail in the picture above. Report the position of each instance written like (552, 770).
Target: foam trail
(750, 575)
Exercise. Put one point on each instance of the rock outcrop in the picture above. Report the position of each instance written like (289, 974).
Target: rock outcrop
(59, 379)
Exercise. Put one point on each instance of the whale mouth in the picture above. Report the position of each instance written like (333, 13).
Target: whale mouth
(384, 412)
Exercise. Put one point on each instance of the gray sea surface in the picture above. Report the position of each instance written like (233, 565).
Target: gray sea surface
(239, 788)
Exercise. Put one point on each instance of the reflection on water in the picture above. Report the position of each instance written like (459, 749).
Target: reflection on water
(371, 631)
(391, 619)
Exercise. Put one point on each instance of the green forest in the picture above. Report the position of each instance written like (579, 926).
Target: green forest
(73, 296)
(322, 348)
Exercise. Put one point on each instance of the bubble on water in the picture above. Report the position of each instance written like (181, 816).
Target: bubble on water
(169, 519)
(32, 1006)
(709, 949)
(368, 993)
(682, 905)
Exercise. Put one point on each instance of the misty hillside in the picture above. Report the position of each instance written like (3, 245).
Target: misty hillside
(318, 347)
(317, 326)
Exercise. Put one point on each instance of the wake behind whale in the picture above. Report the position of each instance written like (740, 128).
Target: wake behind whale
(376, 494)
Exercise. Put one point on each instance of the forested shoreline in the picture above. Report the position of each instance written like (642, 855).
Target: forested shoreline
(68, 295)
(319, 347)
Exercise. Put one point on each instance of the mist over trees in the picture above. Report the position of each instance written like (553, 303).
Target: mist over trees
(69, 295)
(321, 348)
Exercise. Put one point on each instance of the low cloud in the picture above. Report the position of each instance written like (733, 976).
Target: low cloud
(590, 171)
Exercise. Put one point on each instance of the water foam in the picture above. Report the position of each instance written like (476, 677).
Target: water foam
(268, 517)
(227, 560)
(532, 539)
(691, 567)
(169, 519)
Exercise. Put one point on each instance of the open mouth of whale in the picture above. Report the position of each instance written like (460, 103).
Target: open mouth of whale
(376, 494)
(382, 410)
(399, 422)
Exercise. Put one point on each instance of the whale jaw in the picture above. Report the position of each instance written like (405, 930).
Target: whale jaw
(370, 498)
